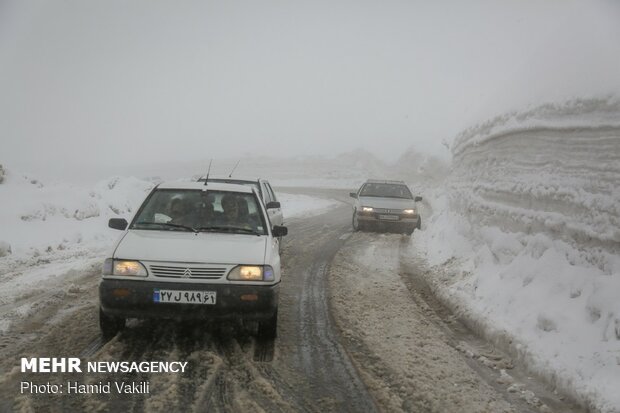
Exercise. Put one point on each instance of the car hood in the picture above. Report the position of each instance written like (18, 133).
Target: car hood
(203, 247)
(387, 203)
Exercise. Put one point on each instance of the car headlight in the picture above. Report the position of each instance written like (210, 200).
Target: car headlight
(409, 211)
(124, 267)
(367, 209)
(251, 273)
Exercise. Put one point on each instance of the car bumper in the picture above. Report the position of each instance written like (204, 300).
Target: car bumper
(134, 299)
(409, 221)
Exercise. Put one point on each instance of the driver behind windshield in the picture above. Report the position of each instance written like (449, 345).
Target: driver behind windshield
(235, 212)
(230, 207)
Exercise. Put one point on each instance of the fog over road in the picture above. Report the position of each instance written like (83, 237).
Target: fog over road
(349, 339)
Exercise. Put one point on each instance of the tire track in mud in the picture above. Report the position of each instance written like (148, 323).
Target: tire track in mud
(319, 355)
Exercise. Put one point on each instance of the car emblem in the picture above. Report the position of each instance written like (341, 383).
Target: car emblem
(187, 273)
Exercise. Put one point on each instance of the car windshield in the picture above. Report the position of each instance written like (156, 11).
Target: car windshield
(204, 211)
(386, 190)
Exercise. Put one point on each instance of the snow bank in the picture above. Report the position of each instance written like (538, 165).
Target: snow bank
(577, 113)
(44, 222)
(294, 205)
(531, 212)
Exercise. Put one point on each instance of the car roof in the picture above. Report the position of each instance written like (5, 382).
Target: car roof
(213, 186)
(236, 178)
(384, 181)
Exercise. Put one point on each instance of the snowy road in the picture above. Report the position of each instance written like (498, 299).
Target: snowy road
(413, 353)
(356, 333)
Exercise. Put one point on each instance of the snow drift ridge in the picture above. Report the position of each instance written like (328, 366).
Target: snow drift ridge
(561, 181)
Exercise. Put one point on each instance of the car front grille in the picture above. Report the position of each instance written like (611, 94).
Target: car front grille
(388, 211)
(179, 271)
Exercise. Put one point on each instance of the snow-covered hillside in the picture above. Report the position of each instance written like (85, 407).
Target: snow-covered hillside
(43, 221)
(531, 212)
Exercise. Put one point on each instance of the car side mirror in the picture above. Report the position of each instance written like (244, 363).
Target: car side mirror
(279, 231)
(118, 223)
(353, 195)
(273, 205)
(417, 199)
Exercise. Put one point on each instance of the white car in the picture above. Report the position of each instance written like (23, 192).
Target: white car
(194, 251)
(265, 191)
(385, 204)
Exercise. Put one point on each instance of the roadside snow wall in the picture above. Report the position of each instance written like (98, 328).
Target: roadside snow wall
(531, 212)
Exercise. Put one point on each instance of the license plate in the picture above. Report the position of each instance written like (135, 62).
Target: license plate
(389, 217)
(184, 297)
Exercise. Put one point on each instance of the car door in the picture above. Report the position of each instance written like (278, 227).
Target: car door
(275, 214)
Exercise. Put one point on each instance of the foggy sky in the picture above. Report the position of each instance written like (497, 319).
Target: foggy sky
(119, 82)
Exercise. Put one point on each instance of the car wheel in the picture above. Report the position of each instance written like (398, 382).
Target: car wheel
(355, 222)
(280, 245)
(419, 226)
(110, 326)
(268, 329)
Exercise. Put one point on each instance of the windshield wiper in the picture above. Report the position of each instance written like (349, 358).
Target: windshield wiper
(167, 224)
(215, 228)
(248, 230)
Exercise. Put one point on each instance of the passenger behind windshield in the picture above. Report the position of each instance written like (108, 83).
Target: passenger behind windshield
(386, 191)
(180, 212)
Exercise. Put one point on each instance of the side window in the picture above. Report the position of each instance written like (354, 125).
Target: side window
(271, 192)
(266, 194)
(362, 190)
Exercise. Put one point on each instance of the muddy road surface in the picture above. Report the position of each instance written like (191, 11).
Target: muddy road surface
(358, 331)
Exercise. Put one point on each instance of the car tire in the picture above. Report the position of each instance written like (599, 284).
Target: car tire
(110, 326)
(419, 226)
(355, 222)
(268, 329)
